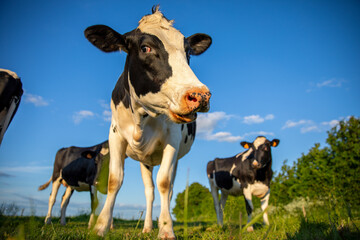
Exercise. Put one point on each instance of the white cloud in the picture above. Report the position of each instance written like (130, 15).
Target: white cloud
(291, 124)
(206, 124)
(38, 101)
(27, 169)
(81, 115)
(259, 133)
(331, 123)
(312, 128)
(330, 83)
(106, 115)
(254, 119)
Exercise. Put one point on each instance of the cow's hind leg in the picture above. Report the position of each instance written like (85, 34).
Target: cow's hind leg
(146, 173)
(249, 206)
(64, 203)
(117, 147)
(215, 195)
(223, 199)
(94, 205)
(264, 204)
(52, 199)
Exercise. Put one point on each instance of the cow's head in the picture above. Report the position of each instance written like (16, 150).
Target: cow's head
(157, 69)
(261, 151)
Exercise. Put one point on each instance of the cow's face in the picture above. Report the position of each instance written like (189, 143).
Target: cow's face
(261, 148)
(159, 77)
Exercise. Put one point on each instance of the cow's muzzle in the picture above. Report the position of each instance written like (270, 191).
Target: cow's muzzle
(193, 101)
(197, 100)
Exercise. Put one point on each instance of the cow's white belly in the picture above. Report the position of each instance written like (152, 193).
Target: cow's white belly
(259, 189)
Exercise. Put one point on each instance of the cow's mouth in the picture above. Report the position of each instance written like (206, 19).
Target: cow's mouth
(182, 118)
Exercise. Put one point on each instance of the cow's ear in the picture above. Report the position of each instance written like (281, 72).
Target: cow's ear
(275, 142)
(199, 43)
(105, 38)
(88, 154)
(245, 145)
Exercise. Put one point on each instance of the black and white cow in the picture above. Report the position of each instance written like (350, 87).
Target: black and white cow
(80, 169)
(248, 173)
(154, 106)
(10, 96)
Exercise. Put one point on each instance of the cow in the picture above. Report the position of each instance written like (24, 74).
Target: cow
(154, 107)
(80, 169)
(10, 96)
(248, 173)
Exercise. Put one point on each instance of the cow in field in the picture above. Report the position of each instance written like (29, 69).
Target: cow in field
(154, 106)
(80, 169)
(10, 96)
(248, 173)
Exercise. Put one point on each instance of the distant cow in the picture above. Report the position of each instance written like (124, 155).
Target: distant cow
(154, 105)
(10, 96)
(80, 169)
(248, 173)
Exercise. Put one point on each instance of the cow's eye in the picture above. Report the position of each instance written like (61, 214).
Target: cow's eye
(145, 49)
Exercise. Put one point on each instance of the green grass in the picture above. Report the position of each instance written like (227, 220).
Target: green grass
(316, 225)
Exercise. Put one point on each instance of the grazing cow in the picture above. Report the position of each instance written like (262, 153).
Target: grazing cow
(10, 96)
(80, 169)
(248, 173)
(154, 105)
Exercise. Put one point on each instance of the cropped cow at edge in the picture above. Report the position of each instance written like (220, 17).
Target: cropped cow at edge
(154, 105)
(248, 173)
(10, 96)
(80, 169)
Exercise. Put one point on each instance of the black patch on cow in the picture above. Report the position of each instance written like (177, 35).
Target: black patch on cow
(182, 127)
(10, 92)
(120, 92)
(148, 167)
(145, 115)
(82, 169)
(186, 138)
(148, 70)
(224, 180)
(191, 127)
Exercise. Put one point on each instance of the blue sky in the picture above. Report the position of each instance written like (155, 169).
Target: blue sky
(283, 69)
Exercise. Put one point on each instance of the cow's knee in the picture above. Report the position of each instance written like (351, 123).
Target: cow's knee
(163, 185)
(114, 184)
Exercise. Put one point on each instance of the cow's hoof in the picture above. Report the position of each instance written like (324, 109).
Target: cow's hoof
(63, 223)
(146, 230)
(100, 230)
(250, 229)
(48, 220)
(167, 235)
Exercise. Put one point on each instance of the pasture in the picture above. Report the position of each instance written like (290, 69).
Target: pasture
(287, 222)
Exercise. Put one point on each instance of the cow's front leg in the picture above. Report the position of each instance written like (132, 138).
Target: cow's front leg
(117, 146)
(94, 205)
(249, 206)
(264, 204)
(146, 173)
(215, 195)
(64, 203)
(164, 183)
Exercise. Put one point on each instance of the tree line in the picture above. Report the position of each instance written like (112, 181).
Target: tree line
(330, 175)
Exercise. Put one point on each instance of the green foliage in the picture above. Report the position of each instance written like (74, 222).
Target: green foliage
(330, 174)
(200, 204)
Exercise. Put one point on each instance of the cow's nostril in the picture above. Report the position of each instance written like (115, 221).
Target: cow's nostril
(192, 99)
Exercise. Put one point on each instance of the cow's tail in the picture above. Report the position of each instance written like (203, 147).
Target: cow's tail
(42, 187)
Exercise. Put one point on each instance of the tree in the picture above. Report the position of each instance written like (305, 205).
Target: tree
(200, 204)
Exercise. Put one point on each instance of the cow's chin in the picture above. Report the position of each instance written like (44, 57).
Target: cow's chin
(180, 118)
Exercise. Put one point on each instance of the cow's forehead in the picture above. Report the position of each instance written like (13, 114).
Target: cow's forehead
(156, 24)
(259, 141)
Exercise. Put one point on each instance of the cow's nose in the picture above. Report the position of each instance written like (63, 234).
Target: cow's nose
(198, 99)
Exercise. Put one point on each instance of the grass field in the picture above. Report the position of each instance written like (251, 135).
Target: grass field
(285, 224)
